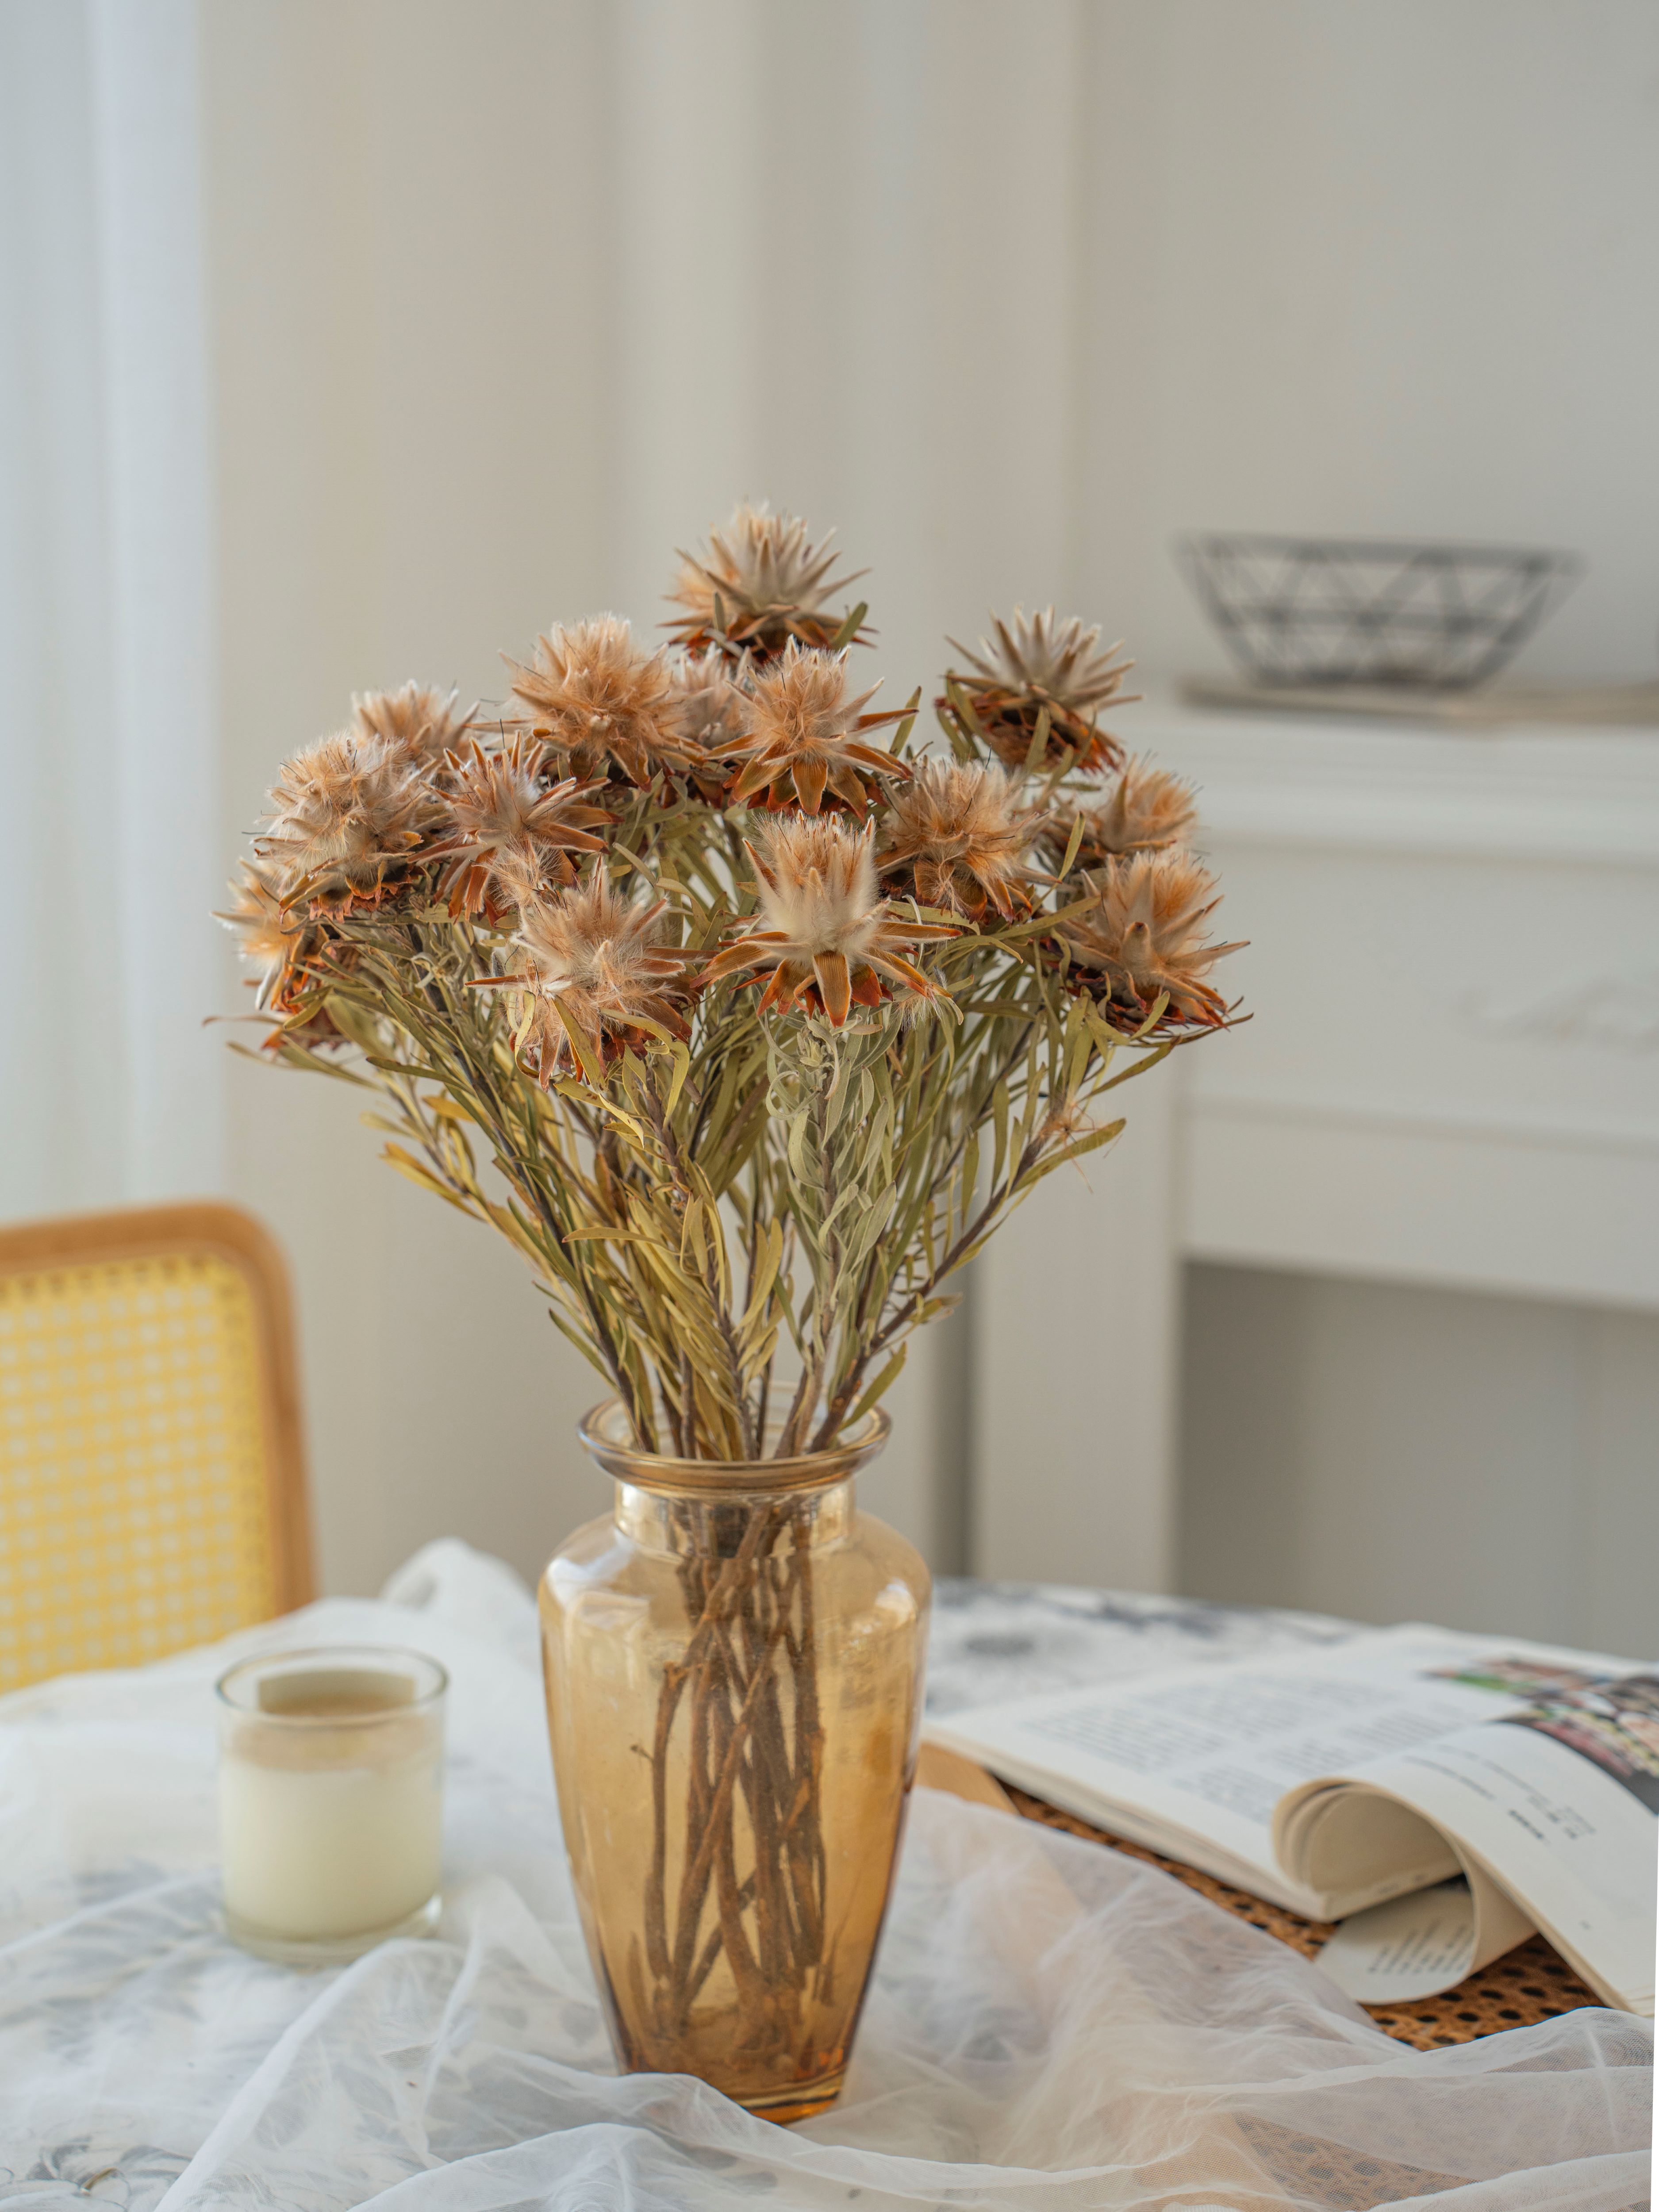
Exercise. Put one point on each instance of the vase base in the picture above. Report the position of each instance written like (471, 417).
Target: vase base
(800, 2101)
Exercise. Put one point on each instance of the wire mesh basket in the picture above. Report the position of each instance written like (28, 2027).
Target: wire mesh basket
(1375, 612)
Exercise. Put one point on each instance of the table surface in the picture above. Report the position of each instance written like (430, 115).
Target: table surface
(992, 1640)
(1048, 2019)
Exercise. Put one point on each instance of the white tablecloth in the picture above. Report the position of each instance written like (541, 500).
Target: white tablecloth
(1051, 2027)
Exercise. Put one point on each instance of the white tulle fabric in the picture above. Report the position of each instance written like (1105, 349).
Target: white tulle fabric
(1051, 2026)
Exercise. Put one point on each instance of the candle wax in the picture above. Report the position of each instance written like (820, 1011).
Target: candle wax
(332, 1829)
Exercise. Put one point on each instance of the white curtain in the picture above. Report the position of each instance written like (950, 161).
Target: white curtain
(109, 1089)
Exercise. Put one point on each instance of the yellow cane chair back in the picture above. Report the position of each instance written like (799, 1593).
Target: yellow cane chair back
(152, 1475)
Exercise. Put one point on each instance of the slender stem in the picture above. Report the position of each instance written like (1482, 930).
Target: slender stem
(812, 1380)
(744, 1700)
(711, 1277)
(835, 1413)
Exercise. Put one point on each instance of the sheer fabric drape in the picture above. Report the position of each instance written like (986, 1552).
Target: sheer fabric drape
(1052, 2027)
(108, 1087)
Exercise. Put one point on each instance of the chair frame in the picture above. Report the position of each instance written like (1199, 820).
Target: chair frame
(209, 1226)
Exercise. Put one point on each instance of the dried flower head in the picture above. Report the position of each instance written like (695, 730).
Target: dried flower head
(272, 939)
(598, 979)
(608, 709)
(348, 816)
(510, 828)
(711, 707)
(955, 837)
(824, 932)
(800, 737)
(422, 725)
(1037, 666)
(1146, 809)
(759, 583)
(1140, 936)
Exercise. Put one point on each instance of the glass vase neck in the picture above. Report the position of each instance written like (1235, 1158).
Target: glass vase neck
(608, 1437)
(711, 1525)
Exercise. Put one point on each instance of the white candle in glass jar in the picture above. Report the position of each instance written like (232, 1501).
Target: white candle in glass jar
(330, 1800)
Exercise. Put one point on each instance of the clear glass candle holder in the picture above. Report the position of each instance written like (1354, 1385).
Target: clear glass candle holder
(330, 1800)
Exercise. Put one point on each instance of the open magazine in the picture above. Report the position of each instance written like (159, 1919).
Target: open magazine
(1440, 1795)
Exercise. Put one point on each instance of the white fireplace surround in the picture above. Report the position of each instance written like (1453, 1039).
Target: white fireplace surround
(1451, 1079)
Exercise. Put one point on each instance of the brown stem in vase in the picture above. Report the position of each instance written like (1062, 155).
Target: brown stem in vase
(744, 1698)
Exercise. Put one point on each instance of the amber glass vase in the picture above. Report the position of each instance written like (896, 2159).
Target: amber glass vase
(734, 1661)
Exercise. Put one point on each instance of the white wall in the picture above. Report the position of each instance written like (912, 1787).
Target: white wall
(410, 476)
(509, 298)
(1385, 266)
(1369, 268)
(1393, 1453)
(1391, 270)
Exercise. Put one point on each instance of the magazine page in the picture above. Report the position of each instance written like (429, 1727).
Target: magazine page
(1194, 1763)
(1417, 1946)
(1553, 1802)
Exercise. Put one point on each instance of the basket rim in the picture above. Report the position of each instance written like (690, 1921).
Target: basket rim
(1435, 552)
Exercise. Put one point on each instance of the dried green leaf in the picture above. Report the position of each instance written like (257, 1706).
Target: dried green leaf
(851, 625)
(1095, 1139)
(423, 1177)
(884, 1383)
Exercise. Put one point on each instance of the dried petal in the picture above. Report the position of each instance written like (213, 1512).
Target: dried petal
(1139, 937)
(272, 939)
(510, 827)
(759, 583)
(596, 963)
(956, 837)
(606, 707)
(711, 705)
(800, 740)
(1037, 667)
(348, 815)
(1146, 809)
(421, 724)
(824, 935)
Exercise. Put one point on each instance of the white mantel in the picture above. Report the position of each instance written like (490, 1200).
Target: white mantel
(1451, 1078)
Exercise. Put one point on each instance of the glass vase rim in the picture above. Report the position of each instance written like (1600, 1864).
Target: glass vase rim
(604, 1431)
(431, 1677)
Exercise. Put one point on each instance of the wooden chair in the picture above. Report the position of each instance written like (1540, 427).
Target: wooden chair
(152, 1469)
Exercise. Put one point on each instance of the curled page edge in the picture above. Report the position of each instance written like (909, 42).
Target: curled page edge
(1428, 1940)
(1415, 1923)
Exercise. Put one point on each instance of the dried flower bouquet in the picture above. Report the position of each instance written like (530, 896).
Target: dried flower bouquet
(748, 1026)
(766, 1026)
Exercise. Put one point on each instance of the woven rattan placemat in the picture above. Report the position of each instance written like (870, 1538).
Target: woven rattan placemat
(1531, 1983)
